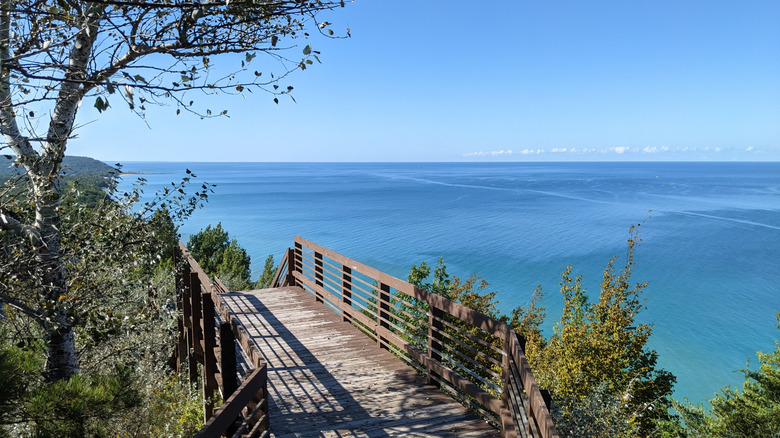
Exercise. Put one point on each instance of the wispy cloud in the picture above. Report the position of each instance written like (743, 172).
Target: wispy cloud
(624, 151)
(655, 149)
(504, 152)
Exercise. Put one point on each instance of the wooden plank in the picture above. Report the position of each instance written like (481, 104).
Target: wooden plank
(325, 378)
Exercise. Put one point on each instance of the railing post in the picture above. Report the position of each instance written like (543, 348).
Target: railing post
(383, 316)
(435, 339)
(262, 395)
(318, 275)
(296, 264)
(209, 360)
(227, 359)
(507, 416)
(197, 315)
(290, 267)
(346, 291)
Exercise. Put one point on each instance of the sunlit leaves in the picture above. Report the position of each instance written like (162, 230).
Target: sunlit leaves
(597, 349)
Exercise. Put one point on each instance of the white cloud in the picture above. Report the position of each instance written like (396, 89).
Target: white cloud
(750, 149)
(654, 149)
(619, 149)
(489, 153)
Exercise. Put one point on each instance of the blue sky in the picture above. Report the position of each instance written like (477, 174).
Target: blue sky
(496, 80)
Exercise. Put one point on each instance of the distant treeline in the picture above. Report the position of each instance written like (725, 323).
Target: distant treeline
(85, 178)
(71, 166)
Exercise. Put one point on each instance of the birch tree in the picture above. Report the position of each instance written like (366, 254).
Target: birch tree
(56, 55)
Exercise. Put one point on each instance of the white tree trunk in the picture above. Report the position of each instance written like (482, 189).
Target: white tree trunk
(43, 171)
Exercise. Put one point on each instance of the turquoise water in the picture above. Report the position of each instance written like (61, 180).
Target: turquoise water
(711, 248)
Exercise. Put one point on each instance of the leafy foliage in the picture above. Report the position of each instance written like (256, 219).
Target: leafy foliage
(752, 412)
(219, 255)
(118, 302)
(267, 276)
(463, 345)
(596, 357)
(224, 257)
(603, 380)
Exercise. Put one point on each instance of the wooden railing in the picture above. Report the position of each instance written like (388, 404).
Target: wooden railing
(479, 360)
(208, 336)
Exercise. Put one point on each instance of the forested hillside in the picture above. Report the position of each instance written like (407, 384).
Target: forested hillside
(71, 166)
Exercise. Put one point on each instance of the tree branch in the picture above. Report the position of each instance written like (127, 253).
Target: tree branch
(24, 308)
(10, 223)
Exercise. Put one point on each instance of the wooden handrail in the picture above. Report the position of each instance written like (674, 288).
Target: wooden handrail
(429, 332)
(282, 271)
(201, 303)
(227, 414)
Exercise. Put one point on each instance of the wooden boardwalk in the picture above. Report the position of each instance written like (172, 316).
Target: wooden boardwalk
(327, 379)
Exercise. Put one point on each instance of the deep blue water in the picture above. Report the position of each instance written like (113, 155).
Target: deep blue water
(711, 241)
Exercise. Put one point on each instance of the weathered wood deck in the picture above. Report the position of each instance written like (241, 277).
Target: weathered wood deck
(326, 379)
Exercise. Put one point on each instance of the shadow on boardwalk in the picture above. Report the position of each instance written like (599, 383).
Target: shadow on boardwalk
(326, 379)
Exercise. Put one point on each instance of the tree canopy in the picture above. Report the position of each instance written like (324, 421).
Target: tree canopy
(221, 256)
(603, 379)
(752, 412)
(57, 55)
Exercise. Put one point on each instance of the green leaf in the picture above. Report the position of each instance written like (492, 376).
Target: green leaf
(101, 104)
(307, 49)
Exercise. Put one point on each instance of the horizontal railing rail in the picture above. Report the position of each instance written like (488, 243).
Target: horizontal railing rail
(245, 410)
(475, 358)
